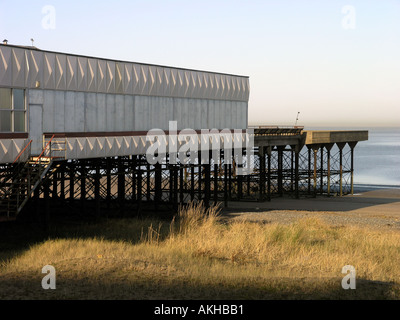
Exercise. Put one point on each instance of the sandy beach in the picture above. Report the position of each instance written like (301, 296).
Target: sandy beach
(378, 208)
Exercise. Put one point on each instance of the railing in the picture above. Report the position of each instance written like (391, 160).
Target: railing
(57, 146)
(13, 181)
(276, 130)
(275, 127)
(42, 155)
(11, 173)
(19, 158)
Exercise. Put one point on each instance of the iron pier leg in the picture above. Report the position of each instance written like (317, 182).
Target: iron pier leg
(181, 184)
(199, 177)
(352, 146)
(158, 191)
(83, 185)
(97, 188)
(215, 182)
(296, 160)
(46, 195)
(192, 181)
(207, 183)
(121, 184)
(139, 188)
(315, 171)
(261, 156)
(134, 172)
(309, 170)
(62, 181)
(225, 184)
(148, 183)
(175, 191)
(321, 187)
(280, 171)
(269, 151)
(71, 182)
(341, 171)
(108, 164)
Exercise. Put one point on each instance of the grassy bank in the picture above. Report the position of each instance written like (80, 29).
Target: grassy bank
(197, 256)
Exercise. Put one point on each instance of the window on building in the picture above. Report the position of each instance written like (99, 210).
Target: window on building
(12, 110)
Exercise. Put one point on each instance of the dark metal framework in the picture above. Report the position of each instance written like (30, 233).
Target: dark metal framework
(129, 184)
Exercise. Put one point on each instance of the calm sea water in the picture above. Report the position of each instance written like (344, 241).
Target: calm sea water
(377, 161)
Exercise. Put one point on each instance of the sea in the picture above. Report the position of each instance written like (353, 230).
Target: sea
(376, 161)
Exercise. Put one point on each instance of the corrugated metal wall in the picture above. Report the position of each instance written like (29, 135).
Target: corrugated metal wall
(69, 93)
(24, 67)
(65, 111)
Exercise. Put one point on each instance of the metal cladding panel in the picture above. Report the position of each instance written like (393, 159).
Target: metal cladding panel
(136, 79)
(32, 68)
(82, 74)
(126, 72)
(92, 75)
(95, 147)
(10, 148)
(71, 73)
(18, 67)
(6, 68)
(110, 77)
(59, 111)
(69, 114)
(101, 76)
(61, 78)
(152, 81)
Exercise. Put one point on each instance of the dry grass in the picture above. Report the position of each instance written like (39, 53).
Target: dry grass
(196, 256)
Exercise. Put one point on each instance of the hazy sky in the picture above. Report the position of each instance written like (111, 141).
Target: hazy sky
(336, 62)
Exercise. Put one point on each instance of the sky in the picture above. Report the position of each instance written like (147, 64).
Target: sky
(336, 62)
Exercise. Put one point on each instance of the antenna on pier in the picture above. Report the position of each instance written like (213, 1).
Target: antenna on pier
(297, 118)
